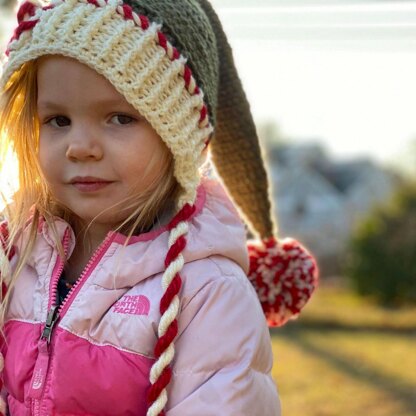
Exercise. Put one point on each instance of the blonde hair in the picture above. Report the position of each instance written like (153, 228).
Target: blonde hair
(19, 134)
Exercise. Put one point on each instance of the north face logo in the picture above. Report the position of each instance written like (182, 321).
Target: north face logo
(132, 305)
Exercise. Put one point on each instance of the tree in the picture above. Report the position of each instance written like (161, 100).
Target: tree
(382, 258)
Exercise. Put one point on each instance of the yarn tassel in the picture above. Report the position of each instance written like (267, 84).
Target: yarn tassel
(284, 275)
(3, 406)
(5, 256)
(161, 372)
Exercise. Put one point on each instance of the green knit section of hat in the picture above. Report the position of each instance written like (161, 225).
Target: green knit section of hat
(189, 30)
(235, 148)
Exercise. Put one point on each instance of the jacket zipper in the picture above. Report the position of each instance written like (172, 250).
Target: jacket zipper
(42, 362)
(55, 312)
(88, 269)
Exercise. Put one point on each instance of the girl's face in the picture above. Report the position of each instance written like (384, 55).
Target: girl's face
(95, 149)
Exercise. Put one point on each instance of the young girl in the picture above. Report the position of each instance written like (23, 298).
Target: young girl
(124, 266)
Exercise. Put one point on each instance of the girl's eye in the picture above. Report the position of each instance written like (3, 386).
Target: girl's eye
(122, 119)
(59, 121)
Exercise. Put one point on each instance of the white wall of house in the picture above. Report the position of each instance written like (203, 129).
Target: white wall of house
(308, 206)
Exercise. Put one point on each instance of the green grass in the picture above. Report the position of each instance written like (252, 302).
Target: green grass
(346, 356)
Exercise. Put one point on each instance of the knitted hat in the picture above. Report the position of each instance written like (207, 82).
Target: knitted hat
(171, 60)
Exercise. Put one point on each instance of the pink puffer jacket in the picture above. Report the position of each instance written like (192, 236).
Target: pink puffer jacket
(96, 352)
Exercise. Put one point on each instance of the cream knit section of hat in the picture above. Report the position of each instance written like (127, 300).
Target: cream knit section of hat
(132, 59)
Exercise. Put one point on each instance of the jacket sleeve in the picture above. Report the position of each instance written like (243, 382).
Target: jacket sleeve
(223, 354)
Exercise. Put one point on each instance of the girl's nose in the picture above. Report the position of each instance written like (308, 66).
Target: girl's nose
(84, 146)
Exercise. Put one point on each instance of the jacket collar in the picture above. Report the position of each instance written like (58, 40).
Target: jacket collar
(214, 229)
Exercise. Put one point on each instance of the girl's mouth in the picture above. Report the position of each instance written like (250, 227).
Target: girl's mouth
(89, 183)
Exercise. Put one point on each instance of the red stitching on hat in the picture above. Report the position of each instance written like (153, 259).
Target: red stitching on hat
(145, 22)
(187, 76)
(26, 8)
(24, 25)
(128, 11)
(204, 112)
(176, 54)
(207, 142)
(162, 40)
(94, 2)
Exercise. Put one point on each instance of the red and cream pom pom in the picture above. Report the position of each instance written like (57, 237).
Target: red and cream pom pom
(284, 275)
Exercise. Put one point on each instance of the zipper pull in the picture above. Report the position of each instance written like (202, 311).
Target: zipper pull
(42, 362)
(51, 320)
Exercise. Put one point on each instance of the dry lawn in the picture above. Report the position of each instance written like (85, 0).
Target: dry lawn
(346, 356)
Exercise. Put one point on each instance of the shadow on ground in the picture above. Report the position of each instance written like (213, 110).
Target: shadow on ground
(323, 325)
(297, 334)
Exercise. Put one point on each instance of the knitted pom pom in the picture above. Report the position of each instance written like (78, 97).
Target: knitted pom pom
(284, 275)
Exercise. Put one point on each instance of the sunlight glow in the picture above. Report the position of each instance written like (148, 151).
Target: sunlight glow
(9, 182)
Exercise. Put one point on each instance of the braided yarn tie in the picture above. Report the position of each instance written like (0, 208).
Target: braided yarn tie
(3, 406)
(5, 257)
(284, 275)
(161, 372)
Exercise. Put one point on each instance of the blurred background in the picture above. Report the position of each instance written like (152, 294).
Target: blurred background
(332, 88)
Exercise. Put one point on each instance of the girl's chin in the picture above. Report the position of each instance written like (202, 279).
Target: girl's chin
(96, 219)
